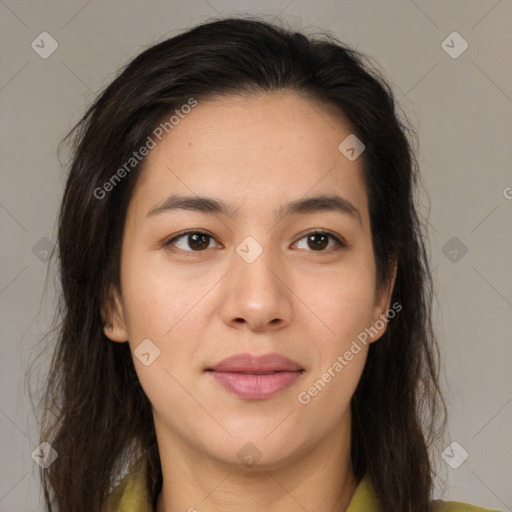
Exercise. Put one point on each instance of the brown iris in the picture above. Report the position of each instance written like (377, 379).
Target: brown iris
(198, 241)
(322, 242)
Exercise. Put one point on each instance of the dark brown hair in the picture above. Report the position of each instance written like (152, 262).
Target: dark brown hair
(95, 413)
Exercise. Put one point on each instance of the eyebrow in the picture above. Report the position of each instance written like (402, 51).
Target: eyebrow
(210, 205)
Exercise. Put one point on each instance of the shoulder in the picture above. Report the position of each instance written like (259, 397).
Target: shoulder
(456, 506)
(131, 493)
(364, 500)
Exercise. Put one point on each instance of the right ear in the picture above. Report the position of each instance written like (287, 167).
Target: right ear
(113, 317)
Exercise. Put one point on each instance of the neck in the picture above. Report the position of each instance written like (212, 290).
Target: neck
(320, 480)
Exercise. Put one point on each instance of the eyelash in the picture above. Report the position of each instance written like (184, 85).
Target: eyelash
(339, 242)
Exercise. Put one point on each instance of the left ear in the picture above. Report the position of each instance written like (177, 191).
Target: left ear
(382, 305)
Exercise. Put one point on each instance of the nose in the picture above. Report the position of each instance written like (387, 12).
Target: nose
(256, 293)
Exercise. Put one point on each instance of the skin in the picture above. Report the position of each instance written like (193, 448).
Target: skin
(198, 307)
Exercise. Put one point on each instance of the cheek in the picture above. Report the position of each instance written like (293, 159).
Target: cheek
(341, 301)
(166, 306)
(157, 296)
(164, 312)
(325, 396)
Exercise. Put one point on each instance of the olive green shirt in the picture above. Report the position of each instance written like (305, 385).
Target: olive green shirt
(131, 496)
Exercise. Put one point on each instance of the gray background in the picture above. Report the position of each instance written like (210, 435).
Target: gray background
(461, 107)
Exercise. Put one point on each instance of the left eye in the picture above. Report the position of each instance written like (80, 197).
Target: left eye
(199, 241)
(318, 240)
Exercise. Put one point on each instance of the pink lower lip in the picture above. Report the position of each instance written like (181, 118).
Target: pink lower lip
(256, 387)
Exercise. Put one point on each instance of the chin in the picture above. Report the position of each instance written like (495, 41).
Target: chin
(255, 449)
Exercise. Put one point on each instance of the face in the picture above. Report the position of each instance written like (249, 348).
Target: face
(200, 284)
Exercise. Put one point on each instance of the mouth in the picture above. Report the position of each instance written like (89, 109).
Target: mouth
(256, 386)
(256, 364)
(255, 377)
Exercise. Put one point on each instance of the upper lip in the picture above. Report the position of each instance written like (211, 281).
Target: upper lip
(248, 363)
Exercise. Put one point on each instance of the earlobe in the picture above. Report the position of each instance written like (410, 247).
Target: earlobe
(114, 324)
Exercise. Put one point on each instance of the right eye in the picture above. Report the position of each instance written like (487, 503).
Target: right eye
(196, 240)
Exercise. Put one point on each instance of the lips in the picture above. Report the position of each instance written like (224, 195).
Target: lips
(256, 377)
(247, 363)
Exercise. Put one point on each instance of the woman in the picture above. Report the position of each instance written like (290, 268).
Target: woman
(246, 292)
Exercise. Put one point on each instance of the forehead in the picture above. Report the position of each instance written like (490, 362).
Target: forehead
(273, 120)
(253, 149)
